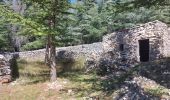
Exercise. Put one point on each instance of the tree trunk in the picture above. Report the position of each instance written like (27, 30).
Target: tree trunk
(50, 57)
(47, 52)
(53, 62)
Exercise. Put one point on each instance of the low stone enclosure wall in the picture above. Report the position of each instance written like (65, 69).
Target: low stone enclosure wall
(72, 57)
(125, 48)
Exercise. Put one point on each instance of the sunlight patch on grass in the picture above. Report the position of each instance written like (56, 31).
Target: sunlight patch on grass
(34, 79)
(158, 91)
(32, 72)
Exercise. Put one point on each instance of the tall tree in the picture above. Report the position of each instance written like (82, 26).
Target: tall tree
(47, 22)
(50, 13)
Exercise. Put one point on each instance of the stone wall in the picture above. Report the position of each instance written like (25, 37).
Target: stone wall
(86, 55)
(35, 55)
(87, 50)
(5, 70)
(67, 56)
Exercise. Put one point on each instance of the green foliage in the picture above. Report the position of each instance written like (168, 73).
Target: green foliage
(85, 22)
(88, 22)
(77, 64)
(130, 19)
(150, 3)
(38, 44)
(48, 13)
(164, 14)
(92, 19)
(4, 41)
(158, 91)
(8, 15)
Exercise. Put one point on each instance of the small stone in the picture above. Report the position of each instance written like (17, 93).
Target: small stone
(70, 92)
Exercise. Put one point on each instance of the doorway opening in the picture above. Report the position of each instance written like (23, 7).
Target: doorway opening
(144, 50)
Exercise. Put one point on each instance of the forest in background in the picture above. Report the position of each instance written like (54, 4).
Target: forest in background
(85, 21)
(35, 24)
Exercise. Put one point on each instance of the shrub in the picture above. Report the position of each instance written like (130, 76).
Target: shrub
(71, 65)
(33, 45)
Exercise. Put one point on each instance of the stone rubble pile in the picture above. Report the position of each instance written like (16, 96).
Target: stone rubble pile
(5, 71)
(136, 90)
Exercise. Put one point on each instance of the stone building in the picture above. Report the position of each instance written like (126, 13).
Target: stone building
(143, 43)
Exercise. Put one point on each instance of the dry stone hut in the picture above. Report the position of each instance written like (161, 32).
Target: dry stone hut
(143, 43)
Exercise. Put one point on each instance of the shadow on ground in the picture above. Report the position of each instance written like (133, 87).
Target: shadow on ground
(87, 83)
(158, 71)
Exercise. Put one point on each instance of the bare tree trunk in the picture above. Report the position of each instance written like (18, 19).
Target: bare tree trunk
(53, 61)
(47, 52)
(50, 57)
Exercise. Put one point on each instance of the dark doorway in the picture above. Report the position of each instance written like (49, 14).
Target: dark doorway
(144, 50)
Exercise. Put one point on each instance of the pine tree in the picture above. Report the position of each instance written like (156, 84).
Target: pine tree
(46, 22)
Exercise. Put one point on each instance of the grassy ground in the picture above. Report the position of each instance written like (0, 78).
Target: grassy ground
(33, 84)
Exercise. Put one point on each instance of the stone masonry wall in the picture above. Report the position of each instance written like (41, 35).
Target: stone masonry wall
(156, 32)
(5, 70)
(87, 50)
(89, 53)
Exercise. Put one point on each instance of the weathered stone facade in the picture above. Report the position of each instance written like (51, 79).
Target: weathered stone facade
(146, 42)
(5, 70)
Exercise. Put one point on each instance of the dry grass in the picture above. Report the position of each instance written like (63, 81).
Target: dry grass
(37, 91)
(158, 91)
(32, 72)
(33, 84)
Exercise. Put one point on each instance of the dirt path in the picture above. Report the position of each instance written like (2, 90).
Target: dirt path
(40, 91)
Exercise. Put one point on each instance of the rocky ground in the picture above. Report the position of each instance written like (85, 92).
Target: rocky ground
(141, 88)
(83, 88)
